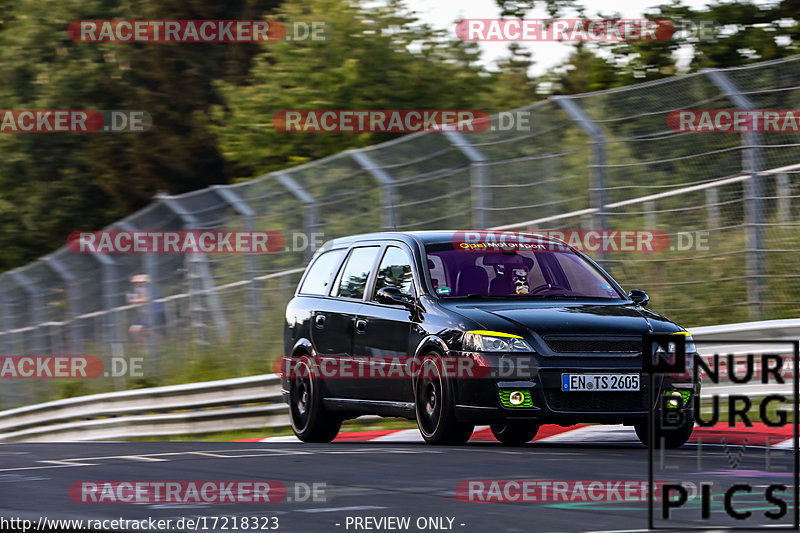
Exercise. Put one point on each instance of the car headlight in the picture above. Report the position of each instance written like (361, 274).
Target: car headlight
(494, 341)
(691, 349)
(690, 346)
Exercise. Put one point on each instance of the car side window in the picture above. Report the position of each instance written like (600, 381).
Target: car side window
(354, 275)
(320, 273)
(395, 271)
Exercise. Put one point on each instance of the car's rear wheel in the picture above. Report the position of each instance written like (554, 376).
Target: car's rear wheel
(310, 421)
(670, 437)
(434, 406)
(514, 433)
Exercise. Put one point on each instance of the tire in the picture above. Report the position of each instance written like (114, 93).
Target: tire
(434, 406)
(514, 433)
(310, 421)
(673, 437)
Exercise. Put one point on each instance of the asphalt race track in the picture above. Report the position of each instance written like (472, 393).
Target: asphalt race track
(386, 479)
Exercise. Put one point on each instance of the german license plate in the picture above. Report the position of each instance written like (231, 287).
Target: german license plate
(599, 382)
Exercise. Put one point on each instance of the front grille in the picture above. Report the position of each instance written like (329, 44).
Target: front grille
(584, 401)
(584, 345)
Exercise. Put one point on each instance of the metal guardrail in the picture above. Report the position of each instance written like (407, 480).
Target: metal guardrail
(241, 403)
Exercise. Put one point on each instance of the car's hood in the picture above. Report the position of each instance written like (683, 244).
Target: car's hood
(564, 319)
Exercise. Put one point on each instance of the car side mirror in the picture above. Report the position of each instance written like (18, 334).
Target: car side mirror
(394, 296)
(639, 297)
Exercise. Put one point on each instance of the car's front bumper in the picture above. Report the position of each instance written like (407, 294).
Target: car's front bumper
(478, 400)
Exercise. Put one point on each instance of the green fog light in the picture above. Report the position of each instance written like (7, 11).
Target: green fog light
(678, 398)
(515, 398)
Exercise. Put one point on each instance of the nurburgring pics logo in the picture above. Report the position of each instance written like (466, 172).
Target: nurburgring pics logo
(74, 121)
(591, 30)
(740, 390)
(723, 120)
(381, 120)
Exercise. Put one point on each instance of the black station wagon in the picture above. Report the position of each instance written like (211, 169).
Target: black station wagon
(453, 331)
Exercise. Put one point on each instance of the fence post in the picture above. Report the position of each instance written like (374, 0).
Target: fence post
(598, 174)
(712, 207)
(387, 187)
(310, 220)
(151, 269)
(478, 179)
(10, 387)
(650, 215)
(784, 198)
(75, 338)
(206, 279)
(247, 213)
(108, 272)
(35, 305)
(753, 210)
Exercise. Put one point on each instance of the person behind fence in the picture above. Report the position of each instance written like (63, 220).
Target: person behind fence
(149, 317)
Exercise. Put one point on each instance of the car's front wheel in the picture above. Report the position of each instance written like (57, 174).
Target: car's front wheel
(310, 421)
(671, 438)
(514, 433)
(434, 405)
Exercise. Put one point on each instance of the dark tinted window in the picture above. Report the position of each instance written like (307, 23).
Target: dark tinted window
(515, 273)
(356, 272)
(395, 271)
(321, 272)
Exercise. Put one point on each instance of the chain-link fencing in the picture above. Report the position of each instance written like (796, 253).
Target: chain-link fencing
(605, 161)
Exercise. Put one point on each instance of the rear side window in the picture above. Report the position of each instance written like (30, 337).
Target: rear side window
(319, 275)
(354, 276)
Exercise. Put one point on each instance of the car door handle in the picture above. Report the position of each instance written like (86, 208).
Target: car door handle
(361, 325)
(319, 320)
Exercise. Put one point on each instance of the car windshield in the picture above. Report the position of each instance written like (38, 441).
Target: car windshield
(552, 273)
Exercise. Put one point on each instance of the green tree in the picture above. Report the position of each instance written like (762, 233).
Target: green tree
(54, 183)
(513, 84)
(377, 58)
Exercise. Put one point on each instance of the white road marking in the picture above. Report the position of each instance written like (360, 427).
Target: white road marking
(288, 438)
(338, 509)
(144, 458)
(594, 434)
(67, 462)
